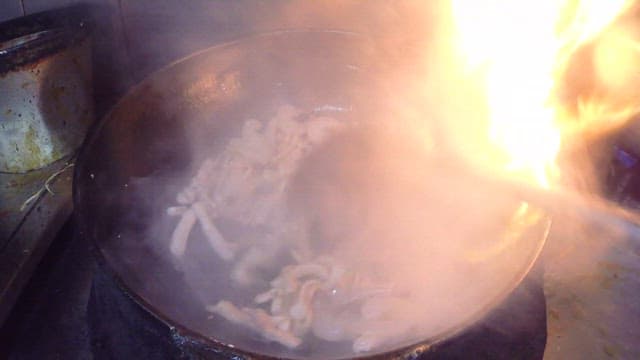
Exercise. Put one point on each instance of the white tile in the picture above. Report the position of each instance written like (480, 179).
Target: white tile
(10, 9)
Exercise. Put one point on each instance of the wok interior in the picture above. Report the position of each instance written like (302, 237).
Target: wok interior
(149, 146)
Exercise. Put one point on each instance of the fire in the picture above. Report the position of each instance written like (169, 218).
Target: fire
(520, 49)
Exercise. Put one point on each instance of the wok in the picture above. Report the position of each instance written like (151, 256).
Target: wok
(139, 155)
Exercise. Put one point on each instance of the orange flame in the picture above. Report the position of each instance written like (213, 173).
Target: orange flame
(520, 49)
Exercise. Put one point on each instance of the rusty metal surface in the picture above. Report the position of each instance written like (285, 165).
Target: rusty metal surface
(592, 273)
(73, 19)
(45, 105)
(27, 234)
(592, 283)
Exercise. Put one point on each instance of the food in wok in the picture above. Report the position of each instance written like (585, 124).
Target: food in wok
(315, 291)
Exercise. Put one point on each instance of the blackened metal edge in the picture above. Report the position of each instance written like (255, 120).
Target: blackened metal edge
(72, 26)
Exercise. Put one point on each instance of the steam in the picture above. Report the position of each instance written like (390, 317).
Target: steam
(386, 205)
(384, 199)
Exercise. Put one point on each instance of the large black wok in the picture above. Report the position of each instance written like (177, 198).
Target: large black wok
(140, 154)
